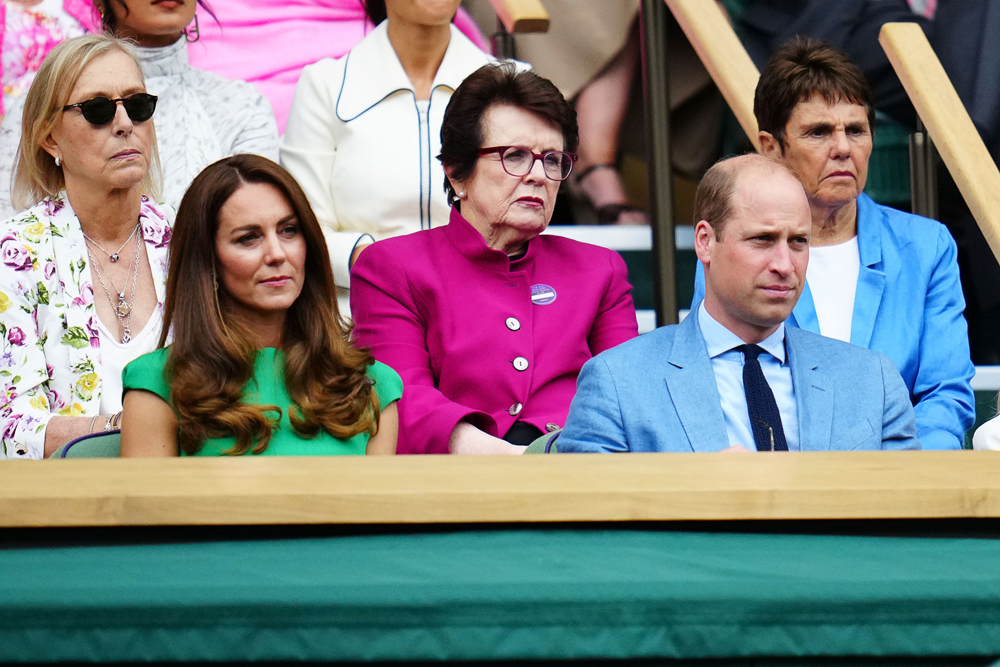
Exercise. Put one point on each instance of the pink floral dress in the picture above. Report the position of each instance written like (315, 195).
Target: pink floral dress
(30, 32)
(50, 350)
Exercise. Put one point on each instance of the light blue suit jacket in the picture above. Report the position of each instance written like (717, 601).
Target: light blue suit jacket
(657, 393)
(909, 305)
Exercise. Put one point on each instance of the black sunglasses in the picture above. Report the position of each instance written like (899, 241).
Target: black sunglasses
(99, 111)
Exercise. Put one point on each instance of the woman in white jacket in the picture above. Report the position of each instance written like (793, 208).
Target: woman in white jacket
(364, 130)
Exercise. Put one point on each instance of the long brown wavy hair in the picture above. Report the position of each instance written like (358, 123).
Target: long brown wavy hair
(212, 355)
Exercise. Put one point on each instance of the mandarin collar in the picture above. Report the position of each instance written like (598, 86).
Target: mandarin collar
(163, 60)
(372, 71)
(469, 243)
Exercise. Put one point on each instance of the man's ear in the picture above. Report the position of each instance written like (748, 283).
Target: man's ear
(704, 241)
(769, 146)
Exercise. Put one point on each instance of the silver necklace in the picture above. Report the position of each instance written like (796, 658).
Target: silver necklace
(123, 308)
(113, 255)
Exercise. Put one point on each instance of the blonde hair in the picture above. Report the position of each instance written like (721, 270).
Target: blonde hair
(36, 175)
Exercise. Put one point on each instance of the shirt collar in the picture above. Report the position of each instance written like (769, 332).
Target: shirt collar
(163, 60)
(372, 71)
(719, 339)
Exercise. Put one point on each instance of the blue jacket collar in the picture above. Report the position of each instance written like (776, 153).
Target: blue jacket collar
(869, 231)
(871, 278)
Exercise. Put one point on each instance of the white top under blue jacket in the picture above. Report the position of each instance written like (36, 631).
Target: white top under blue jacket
(909, 306)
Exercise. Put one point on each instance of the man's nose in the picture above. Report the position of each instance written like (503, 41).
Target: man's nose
(781, 260)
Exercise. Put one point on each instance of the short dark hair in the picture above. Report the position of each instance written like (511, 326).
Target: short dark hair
(713, 201)
(801, 68)
(462, 131)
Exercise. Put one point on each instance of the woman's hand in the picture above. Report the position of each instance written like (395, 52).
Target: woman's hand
(467, 439)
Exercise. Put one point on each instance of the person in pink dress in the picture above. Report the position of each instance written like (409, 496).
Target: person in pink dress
(268, 42)
(487, 320)
(29, 29)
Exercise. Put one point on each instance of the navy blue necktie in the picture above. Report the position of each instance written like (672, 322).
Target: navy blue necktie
(765, 420)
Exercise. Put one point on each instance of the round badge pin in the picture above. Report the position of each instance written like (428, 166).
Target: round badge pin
(542, 295)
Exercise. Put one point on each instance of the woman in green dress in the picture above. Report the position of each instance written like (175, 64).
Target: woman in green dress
(261, 361)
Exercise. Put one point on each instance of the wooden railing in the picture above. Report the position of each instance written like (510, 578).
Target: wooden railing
(521, 16)
(720, 50)
(495, 489)
(948, 123)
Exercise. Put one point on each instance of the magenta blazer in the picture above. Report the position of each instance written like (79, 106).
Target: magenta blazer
(479, 337)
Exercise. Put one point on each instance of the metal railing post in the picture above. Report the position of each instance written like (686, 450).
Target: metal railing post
(503, 42)
(923, 173)
(656, 98)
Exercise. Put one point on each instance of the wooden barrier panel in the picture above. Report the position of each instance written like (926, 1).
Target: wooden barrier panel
(521, 16)
(720, 50)
(947, 122)
(484, 489)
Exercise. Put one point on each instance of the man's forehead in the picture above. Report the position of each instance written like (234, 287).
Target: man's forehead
(762, 191)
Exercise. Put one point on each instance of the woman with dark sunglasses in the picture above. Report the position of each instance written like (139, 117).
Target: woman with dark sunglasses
(487, 321)
(202, 117)
(83, 271)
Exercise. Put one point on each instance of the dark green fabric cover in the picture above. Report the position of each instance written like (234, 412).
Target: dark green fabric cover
(503, 594)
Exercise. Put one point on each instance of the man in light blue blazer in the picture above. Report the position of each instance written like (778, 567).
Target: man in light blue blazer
(732, 375)
(878, 277)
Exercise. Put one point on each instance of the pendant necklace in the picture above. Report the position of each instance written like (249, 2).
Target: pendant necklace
(113, 255)
(122, 308)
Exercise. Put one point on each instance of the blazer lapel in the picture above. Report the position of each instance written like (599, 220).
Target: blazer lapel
(156, 231)
(804, 314)
(80, 337)
(871, 280)
(813, 395)
(691, 383)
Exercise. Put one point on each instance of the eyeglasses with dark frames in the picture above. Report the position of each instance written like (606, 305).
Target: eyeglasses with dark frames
(101, 110)
(518, 161)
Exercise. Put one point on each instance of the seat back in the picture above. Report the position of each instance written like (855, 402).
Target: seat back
(104, 445)
(545, 444)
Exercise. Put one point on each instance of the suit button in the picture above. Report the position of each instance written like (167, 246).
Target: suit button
(513, 324)
(551, 427)
(521, 364)
(515, 409)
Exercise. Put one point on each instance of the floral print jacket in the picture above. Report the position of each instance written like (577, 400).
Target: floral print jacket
(50, 351)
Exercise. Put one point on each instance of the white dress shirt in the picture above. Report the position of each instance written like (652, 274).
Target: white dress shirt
(200, 118)
(727, 364)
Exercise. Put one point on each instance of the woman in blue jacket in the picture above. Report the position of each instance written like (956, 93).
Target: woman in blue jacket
(877, 277)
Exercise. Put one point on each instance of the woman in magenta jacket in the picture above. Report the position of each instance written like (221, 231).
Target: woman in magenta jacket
(487, 322)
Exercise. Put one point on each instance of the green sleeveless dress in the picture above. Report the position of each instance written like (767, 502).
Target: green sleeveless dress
(267, 387)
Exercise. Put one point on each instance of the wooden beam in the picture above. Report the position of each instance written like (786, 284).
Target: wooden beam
(720, 50)
(484, 489)
(521, 16)
(948, 123)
